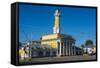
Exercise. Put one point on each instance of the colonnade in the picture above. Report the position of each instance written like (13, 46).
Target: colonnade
(66, 49)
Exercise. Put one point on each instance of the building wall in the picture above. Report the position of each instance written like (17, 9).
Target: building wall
(43, 53)
(94, 50)
(52, 43)
(51, 36)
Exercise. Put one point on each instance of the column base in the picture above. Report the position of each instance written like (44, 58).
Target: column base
(58, 55)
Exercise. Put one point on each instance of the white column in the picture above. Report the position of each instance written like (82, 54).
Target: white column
(57, 50)
(30, 52)
(60, 49)
(57, 53)
(63, 48)
(74, 50)
(66, 48)
(69, 48)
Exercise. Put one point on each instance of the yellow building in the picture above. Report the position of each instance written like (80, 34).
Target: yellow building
(50, 39)
(64, 43)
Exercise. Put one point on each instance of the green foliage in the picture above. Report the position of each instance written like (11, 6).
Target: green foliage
(89, 42)
(82, 45)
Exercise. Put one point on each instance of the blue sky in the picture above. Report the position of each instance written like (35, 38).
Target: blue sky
(36, 21)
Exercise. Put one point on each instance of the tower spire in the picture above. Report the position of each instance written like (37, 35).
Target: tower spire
(56, 28)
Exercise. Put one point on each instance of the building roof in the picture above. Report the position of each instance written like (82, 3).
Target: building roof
(38, 46)
(57, 36)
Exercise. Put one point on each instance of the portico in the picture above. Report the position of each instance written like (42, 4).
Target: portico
(66, 46)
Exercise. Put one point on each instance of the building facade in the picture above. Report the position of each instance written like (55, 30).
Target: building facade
(35, 49)
(65, 44)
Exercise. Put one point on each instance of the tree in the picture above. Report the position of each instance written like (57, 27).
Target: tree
(89, 43)
(82, 46)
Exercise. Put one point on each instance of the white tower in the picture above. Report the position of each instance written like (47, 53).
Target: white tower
(56, 28)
